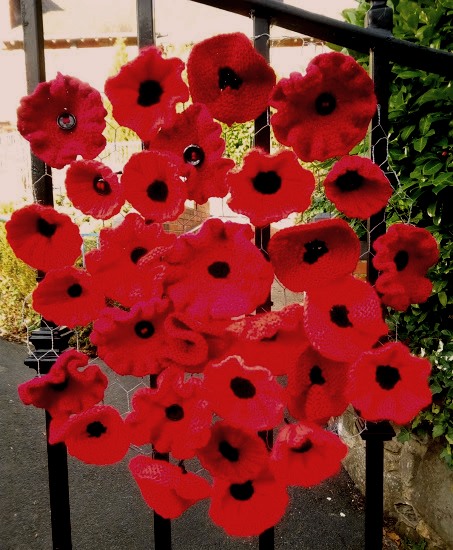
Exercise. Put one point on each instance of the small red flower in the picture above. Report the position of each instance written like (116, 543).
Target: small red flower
(249, 397)
(227, 74)
(43, 238)
(186, 347)
(388, 383)
(68, 297)
(357, 187)
(270, 187)
(68, 387)
(166, 488)
(326, 112)
(313, 255)
(208, 180)
(61, 119)
(145, 92)
(94, 189)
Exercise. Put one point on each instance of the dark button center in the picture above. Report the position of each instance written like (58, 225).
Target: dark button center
(66, 121)
(314, 250)
(325, 104)
(229, 79)
(144, 329)
(194, 155)
(75, 290)
(45, 228)
(157, 191)
(174, 412)
(242, 388)
(350, 181)
(101, 186)
(401, 260)
(219, 270)
(339, 316)
(149, 93)
(242, 491)
(387, 377)
(137, 253)
(228, 451)
(316, 376)
(96, 429)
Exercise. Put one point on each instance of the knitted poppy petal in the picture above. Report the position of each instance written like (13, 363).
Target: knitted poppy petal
(344, 320)
(145, 91)
(43, 238)
(357, 187)
(313, 255)
(228, 75)
(61, 119)
(68, 297)
(326, 112)
(185, 346)
(94, 189)
(388, 383)
(69, 387)
(208, 180)
(270, 187)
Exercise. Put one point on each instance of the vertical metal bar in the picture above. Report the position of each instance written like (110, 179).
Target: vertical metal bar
(145, 23)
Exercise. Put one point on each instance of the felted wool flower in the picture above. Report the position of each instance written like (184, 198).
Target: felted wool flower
(145, 92)
(208, 180)
(388, 383)
(166, 488)
(96, 436)
(132, 342)
(344, 319)
(304, 454)
(270, 187)
(217, 272)
(312, 255)
(69, 297)
(94, 189)
(174, 417)
(357, 187)
(61, 119)
(185, 347)
(247, 509)
(68, 387)
(326, 112)
(246, 396)
(43, 238)
(228, 75)
(404, 255)
(233, 453)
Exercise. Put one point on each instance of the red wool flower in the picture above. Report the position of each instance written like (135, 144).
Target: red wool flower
(313, 255)
(68, 297)
(357, 187)
(305, 455)
(61, 119)
(326, 112)
(145, 92)
(94, 189)
(227, 74)
(43, 238)
(68, 387)
(208, 180)
(270, 187)
(388, 383)
(249, 397)
(166, 488)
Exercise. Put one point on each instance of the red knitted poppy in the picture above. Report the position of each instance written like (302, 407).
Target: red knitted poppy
(61, 119)
(388, 383)
(208, 180)
(43, 238)
(227, 74)
(326, 112)
(185, 347)
(357, 187)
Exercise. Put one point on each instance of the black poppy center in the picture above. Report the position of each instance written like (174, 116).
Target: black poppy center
(96, 429)
(219, 270)
(387, 377)
(66, 121)
(314, 250)
(325, 104)
(60, 386)
(316, 376)
(75, 290)
(267, 183)
(228, 451)
(157, 191)
(229, 79)
(137, 253)
(149, 93)
(242, 388)
(144, 329)
(339, 316)
(350, 181)
(101, 186)
(401, 260)
(174, 412)
(194, 155)
(45, 228)
(306, 446)
(242, 491)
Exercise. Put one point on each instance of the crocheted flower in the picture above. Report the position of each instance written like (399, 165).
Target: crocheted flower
(313, 255)
(145, 91)
(61, 119)
(249, 397)
(94, 189)
(43, 238)
(185, 347)
(209, 180)
(270, 187)
(96, 436)
(304, 454)
(357, 187)
(388, 383)
(67, 388)
(68, 297)
(166, 488)
(247, 509)
(132, 342)
(227, 74)
(174, 417)
(326, 112)
(404, 255)
(233, 453)
(344, 320)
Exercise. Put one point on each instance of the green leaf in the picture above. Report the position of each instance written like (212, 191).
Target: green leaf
(406, 132)
(432, 167)
(443, 299)
(438, 430)
(420, 144)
